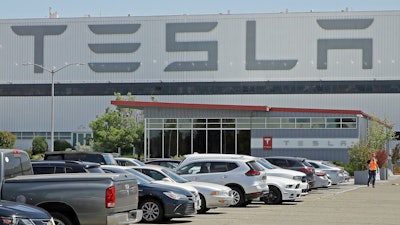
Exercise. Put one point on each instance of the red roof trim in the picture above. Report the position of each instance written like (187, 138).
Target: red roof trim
(138, 104)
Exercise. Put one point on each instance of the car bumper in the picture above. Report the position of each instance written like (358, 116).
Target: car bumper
(126, 218)
(291, 194)
(179, 208)
(216, 201)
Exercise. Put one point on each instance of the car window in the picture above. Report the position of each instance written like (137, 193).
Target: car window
(153, 174)
(294, 163)
(314, 164)
(255, 165)
(279, 162)
(194, 168)
(307, 164)
(218, 167)
(43, 170)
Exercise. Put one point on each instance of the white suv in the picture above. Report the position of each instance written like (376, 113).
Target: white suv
(246, 178)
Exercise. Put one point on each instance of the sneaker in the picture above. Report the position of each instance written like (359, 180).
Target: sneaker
(373, 186)
(367, 185)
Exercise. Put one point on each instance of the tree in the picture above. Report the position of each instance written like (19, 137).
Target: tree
(7, 139)
(61, 145)
(379, 134)
(118, 128)
(39, 145)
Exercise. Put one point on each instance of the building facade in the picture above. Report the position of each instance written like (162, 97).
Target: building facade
(332, 60)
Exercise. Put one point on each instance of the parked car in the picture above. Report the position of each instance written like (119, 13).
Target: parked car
(276, 171)
(321, 179)
(51, 167)
(22, 214)
(170, 163)
(158, 201)
(212, 195)
(335, 173)
(97, 157)
(246, 178)
(294, 163)
(281, 190)
(122, 161)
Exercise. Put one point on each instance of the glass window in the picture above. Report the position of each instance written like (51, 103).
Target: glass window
(303, 123)
(185, 142)
(170, 143)
(214, 141)
(228, 141)
(199, 141)
(155, 144)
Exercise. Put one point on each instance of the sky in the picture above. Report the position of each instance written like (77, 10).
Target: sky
(18, 9)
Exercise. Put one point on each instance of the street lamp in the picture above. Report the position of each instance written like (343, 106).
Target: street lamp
(53, 71)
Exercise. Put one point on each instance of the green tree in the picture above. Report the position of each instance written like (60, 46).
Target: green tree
(7, 139)
(118, 128)
(379, 134)
(39, 145)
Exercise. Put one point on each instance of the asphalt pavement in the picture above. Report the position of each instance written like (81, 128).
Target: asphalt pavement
(344, 204)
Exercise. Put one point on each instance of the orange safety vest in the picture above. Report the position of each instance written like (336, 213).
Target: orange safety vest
(373, 165)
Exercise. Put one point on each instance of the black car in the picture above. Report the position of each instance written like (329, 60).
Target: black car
(22, 214)
(294, 163)
(61, 166)
(159, 202)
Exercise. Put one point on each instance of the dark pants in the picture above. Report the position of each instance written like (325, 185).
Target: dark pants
(371, 177)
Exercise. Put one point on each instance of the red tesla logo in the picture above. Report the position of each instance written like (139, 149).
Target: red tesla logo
(267, 143)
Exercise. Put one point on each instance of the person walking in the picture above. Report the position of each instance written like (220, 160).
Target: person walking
(372, 164)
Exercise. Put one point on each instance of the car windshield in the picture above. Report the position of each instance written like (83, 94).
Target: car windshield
(174, 176)
(109, 158)
(266, 164)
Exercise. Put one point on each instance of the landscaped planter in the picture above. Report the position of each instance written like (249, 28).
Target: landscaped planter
(361, 177)
(383, 173)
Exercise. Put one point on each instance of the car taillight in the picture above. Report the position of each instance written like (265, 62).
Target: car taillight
(320, 174)
(252, 173)
(306, 170)
(110, 197)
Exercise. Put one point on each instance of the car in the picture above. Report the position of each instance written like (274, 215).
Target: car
(282, 190)
(170, 163)
(23, 214)
(61, 166)
(97, 157)
(336, 174)
(321, 179)
(212, 195)
(246, 178)
(123, 161)
(159, 201)
(275, 171)
(294, 163)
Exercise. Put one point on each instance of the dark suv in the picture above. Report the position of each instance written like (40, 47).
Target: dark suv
(294, 163)
(60, 166)
(97, 157)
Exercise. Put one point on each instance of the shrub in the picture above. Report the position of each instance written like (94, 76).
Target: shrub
(39, 145)
(382, 156)
(7, 139)
(61, 145)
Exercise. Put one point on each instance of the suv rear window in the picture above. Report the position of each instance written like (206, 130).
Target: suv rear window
(255, 165)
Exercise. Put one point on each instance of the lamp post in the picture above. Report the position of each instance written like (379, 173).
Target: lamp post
(53, 71)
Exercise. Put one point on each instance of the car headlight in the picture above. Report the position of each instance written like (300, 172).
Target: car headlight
(297, 178)
(290, 186)
(174, 195)
(16, 220)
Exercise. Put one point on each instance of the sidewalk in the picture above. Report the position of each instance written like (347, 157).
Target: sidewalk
(365, 205)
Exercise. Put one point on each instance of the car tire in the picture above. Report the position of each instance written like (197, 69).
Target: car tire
(152, 211)
(238, 197)
(203, 209)
(274, 196)
(60, 219)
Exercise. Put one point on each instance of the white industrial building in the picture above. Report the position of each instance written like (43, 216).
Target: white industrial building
(331, 60)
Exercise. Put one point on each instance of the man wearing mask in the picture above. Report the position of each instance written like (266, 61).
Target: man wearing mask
(372, 165)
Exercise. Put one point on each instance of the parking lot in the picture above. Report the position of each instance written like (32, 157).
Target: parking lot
(339, 204)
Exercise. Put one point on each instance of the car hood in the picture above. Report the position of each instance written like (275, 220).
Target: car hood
(280, 172)
(210, 186)
(184, 186)
(21, 210)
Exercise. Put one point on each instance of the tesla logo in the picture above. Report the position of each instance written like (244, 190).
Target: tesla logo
(267, 143)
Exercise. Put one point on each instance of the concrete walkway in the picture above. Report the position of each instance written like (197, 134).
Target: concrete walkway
(344, 204)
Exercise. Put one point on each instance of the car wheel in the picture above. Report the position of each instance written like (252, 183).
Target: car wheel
(203, 209)
(238, 197)
(152, 210)
(60, 219)
(274, 196)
